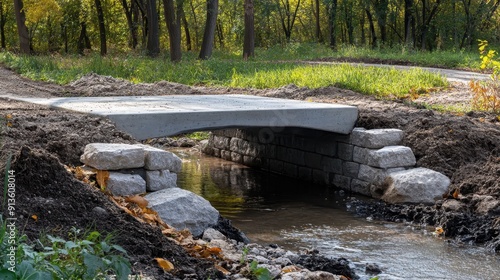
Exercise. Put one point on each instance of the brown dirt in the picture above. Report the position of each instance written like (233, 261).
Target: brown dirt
(466, 148)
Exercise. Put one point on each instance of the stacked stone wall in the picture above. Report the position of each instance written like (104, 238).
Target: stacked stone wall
(355, 162)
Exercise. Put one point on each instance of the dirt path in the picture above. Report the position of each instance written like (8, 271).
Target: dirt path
(466, 148)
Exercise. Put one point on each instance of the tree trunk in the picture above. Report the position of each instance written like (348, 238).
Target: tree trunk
(22, 30)
(408, 20)
(372, 28)
(3, 20)
(381, 8)
(319, 38)
(332, 18)
(153, 43)
(186, 30)
(102, 27)
(220, 34)
(209, 35)
(249, 37)
(132, 27)
(83, 41)
(173, 20)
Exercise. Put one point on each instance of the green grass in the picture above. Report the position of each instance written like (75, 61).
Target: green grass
(258, 73)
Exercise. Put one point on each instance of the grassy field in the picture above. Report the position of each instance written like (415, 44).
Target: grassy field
(227, 69)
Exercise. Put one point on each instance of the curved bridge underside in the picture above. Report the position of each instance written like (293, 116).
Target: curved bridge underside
(146, 117)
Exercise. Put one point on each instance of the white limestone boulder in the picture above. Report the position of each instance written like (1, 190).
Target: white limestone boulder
(104, 156)
(160, 179)
(120, 184)
(418, 185)
(158, 159)
(183, 209)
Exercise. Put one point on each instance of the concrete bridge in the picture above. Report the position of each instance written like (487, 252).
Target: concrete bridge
(314, 142)
(158, 116)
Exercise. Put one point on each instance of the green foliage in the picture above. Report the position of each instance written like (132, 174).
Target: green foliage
(259, 273)
(90, 257)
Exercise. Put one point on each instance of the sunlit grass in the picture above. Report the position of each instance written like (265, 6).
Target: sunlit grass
(257, 73)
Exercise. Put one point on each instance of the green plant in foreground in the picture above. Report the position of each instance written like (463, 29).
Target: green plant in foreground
(260, 273)
(90, 257)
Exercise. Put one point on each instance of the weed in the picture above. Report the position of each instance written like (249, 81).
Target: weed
(260, 273)
(486, 95)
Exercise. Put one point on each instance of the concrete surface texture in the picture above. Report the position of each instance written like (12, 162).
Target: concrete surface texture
(156, 116)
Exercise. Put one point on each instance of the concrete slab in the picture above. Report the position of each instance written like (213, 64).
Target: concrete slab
(146, 117)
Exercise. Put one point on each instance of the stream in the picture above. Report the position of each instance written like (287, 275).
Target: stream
(297, 215)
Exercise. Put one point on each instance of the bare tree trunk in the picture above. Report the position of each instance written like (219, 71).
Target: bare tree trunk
(332, 18)
(372, 27)
(22, 30)
(173, 20)
(318, 22)
(209, 35)
(3, 20)
(102, 27)
(153, 44)
(186, 30)
(408, 21)
(249, 37)
(130, 22)
(83, 41)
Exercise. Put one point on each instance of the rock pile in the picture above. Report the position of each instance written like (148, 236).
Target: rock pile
(280, 263)
(137, 169)
(134, 169)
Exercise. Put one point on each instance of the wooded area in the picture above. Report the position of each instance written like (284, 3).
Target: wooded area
(74, 26)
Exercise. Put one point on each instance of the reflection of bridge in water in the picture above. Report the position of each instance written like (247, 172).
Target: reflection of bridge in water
(157, 116)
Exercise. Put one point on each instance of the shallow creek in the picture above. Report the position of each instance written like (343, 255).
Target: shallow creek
(297, 215)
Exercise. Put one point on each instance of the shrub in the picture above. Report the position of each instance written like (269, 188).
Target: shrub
(486, 95)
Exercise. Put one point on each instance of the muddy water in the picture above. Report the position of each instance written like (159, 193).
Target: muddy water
(298, 215)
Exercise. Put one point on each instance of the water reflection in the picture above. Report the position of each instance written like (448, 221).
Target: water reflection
(299, 215)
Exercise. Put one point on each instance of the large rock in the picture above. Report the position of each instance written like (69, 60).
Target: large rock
(125, 184)
(105, 156)
(160, 179)
(387, 157)
(183, 209)
(158, 159)
(419, 185)
(376, 138)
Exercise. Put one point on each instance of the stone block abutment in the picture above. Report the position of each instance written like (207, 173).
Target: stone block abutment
(360, 162)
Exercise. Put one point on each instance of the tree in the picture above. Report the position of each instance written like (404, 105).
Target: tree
(428, 14)
(485, 9)
(249, 37)
(332, 22)
(153, 43)
(102, 27)
(409, 22)
(83, 41)
(173, 20)
(288, 16)
(3, 21)
(319, 37)
(22, 30)
(132, 26)
(207, 44)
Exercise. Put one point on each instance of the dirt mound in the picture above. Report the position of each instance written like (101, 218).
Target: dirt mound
(96, 85)
(46, 189)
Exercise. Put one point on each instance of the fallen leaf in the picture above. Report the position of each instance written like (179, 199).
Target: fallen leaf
(164, 264)
(221, 269)
(8, 116)
(439, 231)
(9, 124)
(139, 200)
(290, 268)
(34, 217)
(456, 193)
(102, 177)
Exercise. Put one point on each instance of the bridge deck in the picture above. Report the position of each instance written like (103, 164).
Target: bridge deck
(156, 116)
